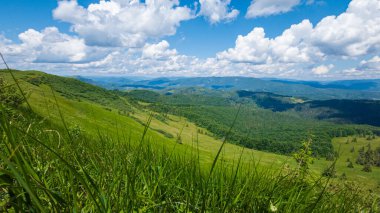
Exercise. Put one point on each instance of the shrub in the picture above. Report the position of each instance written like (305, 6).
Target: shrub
(9, 96)
(350, 165)
(330, 171)
(367, 168)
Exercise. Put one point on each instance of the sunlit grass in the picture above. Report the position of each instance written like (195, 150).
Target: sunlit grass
(101, 174)
(111, 163)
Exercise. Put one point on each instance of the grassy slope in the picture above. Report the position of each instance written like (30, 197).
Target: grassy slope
(93, 117)
(208, 145)
(371, 180)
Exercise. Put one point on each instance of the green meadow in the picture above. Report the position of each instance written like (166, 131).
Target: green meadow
(79, 147)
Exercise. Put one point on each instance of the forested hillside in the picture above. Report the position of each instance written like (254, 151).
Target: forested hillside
(264, 122)
(337, 110)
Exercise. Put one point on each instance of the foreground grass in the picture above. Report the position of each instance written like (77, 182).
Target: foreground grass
(46, 172)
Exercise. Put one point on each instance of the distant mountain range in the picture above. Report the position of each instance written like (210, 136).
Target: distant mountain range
(346, 89)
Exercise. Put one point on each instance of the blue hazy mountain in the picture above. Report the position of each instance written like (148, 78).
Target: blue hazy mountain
(347, 89)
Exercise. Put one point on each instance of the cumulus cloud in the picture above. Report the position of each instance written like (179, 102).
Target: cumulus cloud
(51, 46)
(217, 10)
(107, 31)
(270, 7)
(4, 43)
(160, 60)
(290, 47)
(322, 69)
(159, 50)
(250, 48)
(354, 33)
(126, 23)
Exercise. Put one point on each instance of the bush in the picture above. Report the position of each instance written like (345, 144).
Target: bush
(166, 134)
(350, 165)
(367, 168)
(9, 96)
(330, 171)
(303, 157)
(343, 176)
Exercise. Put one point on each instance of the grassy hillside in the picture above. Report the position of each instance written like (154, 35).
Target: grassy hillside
(99, 111)
(88, 149)
(94, 117)
(344, 147)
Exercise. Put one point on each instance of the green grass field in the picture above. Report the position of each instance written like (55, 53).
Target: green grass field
(115, 163)
(369, 180)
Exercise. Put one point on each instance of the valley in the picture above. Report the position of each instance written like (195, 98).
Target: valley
(175, 125)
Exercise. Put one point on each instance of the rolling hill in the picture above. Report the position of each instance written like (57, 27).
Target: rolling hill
(106, 147)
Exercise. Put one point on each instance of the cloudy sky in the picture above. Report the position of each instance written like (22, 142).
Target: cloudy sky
(298, 39)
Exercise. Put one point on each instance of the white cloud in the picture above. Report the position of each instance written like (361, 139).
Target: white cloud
(322, 69)
(4, 44)
(217, 10)
(270, 7)
(159, 50)
(293, 46)
(126, 23)
(163, 61)
(371, 65)
(251, 48)
(51, 46)
(111, 28)
(4, 40)
(354, 33)
(102, 63)
(290, 47)
(366, 69)
(160, 60)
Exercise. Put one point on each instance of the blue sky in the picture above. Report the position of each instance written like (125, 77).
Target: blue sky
(194, 38)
